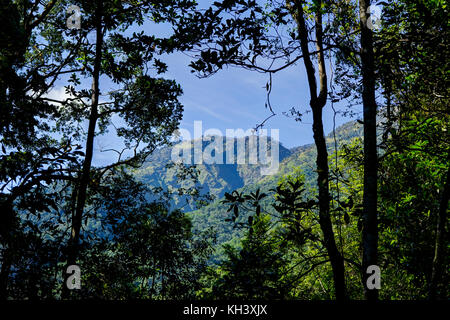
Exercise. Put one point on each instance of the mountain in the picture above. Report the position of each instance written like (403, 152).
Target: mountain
(220, 178)
(215, 179)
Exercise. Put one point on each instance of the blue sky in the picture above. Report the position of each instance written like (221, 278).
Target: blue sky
(235, 98)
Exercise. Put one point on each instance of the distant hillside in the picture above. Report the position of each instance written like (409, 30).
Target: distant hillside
(220, 178)
(213, 178)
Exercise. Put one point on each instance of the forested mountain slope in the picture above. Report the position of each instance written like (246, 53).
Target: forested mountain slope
(220, 178)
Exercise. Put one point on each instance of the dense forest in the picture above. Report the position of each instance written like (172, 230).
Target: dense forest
(360, 213)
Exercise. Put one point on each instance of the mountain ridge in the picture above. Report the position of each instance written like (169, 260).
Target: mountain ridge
(221, 178)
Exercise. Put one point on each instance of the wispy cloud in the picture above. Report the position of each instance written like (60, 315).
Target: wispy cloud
(208, 110)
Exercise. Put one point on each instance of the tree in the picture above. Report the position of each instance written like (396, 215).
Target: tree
(282, 248)
(255, 271)
(237, 33)
(147, 104)
(407, 72)
(140, 248)
(31, 159)
(133, 248)
(412, 50)
(370, 224)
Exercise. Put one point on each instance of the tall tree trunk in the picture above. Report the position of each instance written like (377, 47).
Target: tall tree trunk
(440, 231)
(317, 102)
(336, 259)
(84, 179)
(370, 224)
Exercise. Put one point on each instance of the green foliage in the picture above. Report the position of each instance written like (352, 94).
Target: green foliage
(257, 270)
(149, 254)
